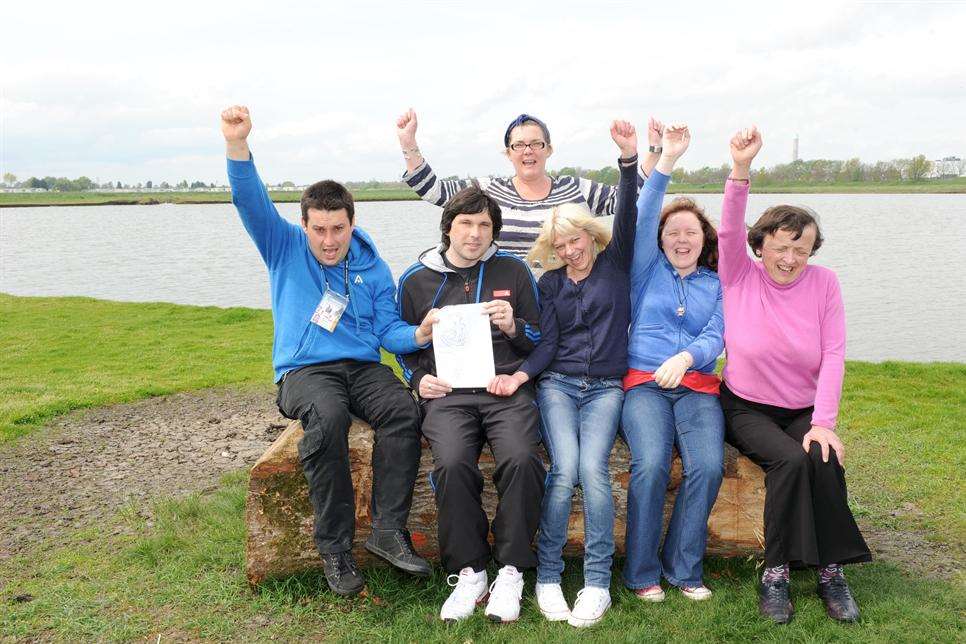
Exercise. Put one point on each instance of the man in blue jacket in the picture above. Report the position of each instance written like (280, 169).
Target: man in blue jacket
(333, 302)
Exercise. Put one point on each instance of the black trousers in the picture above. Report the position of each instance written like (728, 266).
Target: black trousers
(322, 396)
(456, 427)
(807, 517)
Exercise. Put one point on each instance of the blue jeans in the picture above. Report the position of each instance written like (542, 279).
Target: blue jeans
(578, 421)
(654, 420)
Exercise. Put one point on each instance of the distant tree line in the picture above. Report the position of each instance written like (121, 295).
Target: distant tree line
(80, 184)
(815, 171)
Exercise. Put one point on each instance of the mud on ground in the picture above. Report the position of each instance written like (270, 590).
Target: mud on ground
(87, 465)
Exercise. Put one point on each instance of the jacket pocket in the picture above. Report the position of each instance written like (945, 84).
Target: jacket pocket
(303, 342)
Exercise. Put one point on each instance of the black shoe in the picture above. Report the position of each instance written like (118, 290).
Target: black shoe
(396, 547)
(773, 601)
(342, 574)
(839, 603)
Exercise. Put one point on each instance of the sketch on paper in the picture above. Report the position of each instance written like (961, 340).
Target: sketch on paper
(463, 346)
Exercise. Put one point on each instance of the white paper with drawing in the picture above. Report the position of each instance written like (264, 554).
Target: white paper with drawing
(463, 346)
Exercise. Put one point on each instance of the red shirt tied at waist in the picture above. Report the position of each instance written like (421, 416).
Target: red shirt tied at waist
(704, 383)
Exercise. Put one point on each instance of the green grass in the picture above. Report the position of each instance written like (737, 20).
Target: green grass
(60, 354)
(11, 199)
(183, 576)
(182, 573)
(903, 428)
(931, 186)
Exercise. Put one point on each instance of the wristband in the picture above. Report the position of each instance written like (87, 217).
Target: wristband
(631, 160)
(411, 153)
(655, 149)
(739, 180)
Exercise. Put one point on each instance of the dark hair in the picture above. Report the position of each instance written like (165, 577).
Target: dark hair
(523, 119)
(709, 250)
(327, 195)
(791, 218)
(470, 201)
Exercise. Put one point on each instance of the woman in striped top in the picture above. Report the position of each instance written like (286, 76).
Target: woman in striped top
(528, 196)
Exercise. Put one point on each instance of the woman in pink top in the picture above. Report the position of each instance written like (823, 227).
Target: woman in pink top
(785, 344)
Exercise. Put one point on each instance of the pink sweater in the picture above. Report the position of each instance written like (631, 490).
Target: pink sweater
(785, 344)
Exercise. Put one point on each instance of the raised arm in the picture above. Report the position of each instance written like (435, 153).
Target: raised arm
(621, 245)
(265, 226)
(646, 250)
(419, 175)
(733, 260)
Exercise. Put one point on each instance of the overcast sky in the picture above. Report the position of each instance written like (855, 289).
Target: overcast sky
(132, 91)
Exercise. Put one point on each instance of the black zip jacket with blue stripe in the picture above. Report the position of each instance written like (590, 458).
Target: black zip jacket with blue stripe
(499, 275)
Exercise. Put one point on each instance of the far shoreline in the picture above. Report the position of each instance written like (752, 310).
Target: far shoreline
(31, 200)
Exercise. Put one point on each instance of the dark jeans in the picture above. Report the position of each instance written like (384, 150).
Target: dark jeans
(322, 396)
(807, 517)
(456, 427)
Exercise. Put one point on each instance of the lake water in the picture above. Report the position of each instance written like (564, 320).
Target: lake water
(898, 258)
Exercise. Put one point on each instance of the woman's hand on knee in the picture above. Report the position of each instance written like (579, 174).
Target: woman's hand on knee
(826, 438)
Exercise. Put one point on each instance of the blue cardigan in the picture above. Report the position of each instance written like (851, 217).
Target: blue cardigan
(583, 326)
(657, 291)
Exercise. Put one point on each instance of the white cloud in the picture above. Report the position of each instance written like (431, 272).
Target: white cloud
(97, 89)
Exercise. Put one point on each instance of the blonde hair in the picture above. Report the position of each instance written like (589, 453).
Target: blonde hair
(565, 220)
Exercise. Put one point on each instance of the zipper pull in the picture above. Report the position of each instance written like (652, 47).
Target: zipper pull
(466, 286)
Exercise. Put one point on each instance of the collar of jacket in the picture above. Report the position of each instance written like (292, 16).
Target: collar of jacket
(432, 258)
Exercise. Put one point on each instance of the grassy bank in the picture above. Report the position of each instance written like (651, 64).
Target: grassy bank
(901, 422)
(180, 576)
(10, 200)
(16, 200)
(179, 571)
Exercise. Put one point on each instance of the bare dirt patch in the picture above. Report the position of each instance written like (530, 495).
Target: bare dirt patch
(85, 466)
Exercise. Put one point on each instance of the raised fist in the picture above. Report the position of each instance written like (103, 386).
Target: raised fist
(406, 128)
(745, 144)
(676, 139)
(236, 123)
(655, 132)
(625, 136)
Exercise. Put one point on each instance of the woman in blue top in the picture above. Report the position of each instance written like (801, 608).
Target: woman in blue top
(670, 399)
(582, 355)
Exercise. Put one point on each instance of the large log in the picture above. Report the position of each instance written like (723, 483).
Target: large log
(279, 516)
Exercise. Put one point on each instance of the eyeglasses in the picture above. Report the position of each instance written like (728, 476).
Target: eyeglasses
(519, 146)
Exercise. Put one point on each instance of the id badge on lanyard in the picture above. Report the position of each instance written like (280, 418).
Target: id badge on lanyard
(330, 309)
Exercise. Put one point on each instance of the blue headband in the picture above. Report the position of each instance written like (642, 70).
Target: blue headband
(521, 120)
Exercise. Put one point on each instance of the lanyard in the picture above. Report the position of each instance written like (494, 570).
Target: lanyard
(345, 276)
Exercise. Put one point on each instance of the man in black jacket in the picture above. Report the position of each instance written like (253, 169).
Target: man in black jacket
(467, 267)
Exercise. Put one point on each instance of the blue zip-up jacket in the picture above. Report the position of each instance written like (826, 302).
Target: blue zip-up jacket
(298, 282)
(583, 326)
(657, 332)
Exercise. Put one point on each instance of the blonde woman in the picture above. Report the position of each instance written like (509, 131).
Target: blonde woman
(582, 356)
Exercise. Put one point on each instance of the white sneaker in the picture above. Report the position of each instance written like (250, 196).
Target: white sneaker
(550, 600)
(591, 604)
(470, 590)
(698, 594)
(505, 593)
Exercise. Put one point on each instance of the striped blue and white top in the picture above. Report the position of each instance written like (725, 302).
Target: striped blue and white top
(521, 218)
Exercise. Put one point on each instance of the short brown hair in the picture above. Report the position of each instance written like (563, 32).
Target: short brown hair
(709, 250)
(794, 219)
(469, 201)
(327, 195)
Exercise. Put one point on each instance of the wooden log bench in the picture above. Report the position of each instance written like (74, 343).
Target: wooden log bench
(279, 517)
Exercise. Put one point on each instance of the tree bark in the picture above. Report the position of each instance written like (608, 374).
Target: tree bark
(279, 516)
